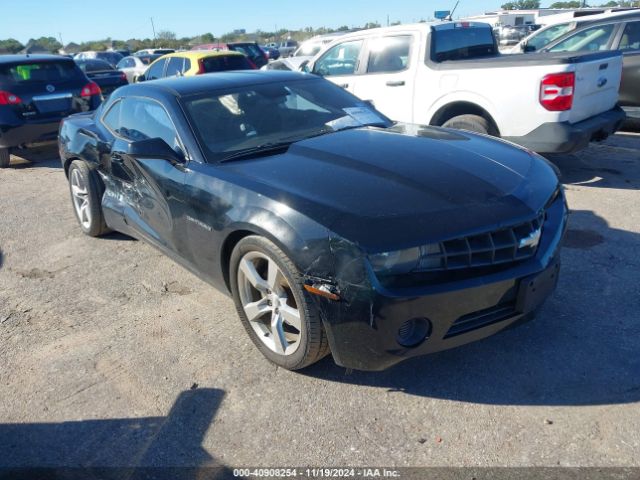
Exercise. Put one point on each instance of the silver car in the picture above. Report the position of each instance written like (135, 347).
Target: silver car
(134, 66)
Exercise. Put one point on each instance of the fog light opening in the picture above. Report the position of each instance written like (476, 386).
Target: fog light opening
(413, 332)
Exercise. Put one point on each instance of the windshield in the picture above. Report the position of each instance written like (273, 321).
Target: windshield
(251, 50)
(543, 37)
(229, 122)
(308, 49)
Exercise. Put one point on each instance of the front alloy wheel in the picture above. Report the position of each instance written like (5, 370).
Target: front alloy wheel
(276, 311)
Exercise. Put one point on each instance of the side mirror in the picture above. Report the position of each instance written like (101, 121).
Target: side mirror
(526, 48)
(141, 78)
(304, 67)
(155, 148)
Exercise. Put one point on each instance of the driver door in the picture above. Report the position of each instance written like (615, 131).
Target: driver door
(149, 190)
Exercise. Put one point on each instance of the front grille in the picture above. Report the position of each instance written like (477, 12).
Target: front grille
(501, 246)
(482, 318)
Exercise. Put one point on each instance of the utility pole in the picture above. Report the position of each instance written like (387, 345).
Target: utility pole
(153, 27)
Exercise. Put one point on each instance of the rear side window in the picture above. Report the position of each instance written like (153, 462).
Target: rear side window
(224, 63)
(461, 43)
(630, 37)
(112, 118)
(39, 72)
(590, 40)
(249, 49)
(389, 54)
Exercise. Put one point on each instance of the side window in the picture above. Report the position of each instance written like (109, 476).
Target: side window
(589, 40)
(112, 118)
(174, 67)
(630, 37)
(187, 65)
(389, 54)
(341, 59)
(142, 119)
(155, 70)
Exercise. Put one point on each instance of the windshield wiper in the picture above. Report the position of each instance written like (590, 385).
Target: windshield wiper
(257, 151)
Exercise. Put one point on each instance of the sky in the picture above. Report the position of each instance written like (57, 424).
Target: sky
(83, 20)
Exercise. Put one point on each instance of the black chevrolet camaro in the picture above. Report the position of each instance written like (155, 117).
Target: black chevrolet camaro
(334, 229)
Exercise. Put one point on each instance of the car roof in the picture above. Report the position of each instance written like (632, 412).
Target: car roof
(198, 54)
(185, 86)
(29, 57)
(601, 17)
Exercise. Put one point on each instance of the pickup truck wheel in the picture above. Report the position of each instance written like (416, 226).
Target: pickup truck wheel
(5, 157)
(86, 195)
(472, 123)
(275, 310)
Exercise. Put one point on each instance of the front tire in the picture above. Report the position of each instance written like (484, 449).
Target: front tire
(86, 192)
(276, 311)
(472, 123)
(5, 157)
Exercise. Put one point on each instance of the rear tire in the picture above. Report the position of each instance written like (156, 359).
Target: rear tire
(86, 191)
(5, 157)
(472, 123)
(285, 324)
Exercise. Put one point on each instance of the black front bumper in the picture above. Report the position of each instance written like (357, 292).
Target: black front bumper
(363, 330)
(564, 137)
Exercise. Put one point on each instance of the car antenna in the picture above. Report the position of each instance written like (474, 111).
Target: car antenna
(450, 17)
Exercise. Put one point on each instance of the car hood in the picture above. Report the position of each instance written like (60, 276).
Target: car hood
(407, 185)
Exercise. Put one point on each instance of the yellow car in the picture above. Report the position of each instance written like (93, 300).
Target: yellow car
(187, 64)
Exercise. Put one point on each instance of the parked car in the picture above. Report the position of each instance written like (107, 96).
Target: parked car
(188, 64)
(272, 53)
(251, 49)
(110, 57)
(451, 74)
(36, 92)
(101, 72)
(134, 66)
(154, 51)
(287, 48)
(277, 188)
(512, 34)
(618, 31)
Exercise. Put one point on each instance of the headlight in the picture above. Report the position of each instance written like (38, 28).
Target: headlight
(404, 261)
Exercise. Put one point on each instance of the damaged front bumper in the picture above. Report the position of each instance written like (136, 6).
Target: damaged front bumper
(373, 327)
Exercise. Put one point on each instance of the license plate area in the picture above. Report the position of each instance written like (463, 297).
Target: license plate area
(57, 103)
(535, 289)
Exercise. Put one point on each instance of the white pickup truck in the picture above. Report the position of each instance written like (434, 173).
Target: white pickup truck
(451, 74)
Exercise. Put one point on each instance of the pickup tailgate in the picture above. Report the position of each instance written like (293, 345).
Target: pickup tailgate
(598, 78)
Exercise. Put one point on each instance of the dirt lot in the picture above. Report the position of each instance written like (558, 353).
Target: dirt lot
(113, 355)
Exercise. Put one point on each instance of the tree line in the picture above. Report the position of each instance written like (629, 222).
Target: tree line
(535, 4)
(168, 39)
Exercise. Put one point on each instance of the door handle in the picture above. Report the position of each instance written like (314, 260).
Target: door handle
(395, 83)
(344, 85)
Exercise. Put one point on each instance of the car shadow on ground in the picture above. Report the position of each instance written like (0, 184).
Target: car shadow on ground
(576, 352)
(611, 164)
(112, 448)
(37, 157)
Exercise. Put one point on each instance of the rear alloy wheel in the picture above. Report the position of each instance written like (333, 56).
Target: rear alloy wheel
(276, 311)
(472, 123)
(86, 195)
(5, 157)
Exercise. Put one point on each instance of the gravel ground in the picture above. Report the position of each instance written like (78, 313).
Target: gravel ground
(111, 354)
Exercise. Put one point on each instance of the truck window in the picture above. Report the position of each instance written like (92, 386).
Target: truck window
(590, 39)
(389, 54)
(461, 43)
(342, 59)
(630, 37)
